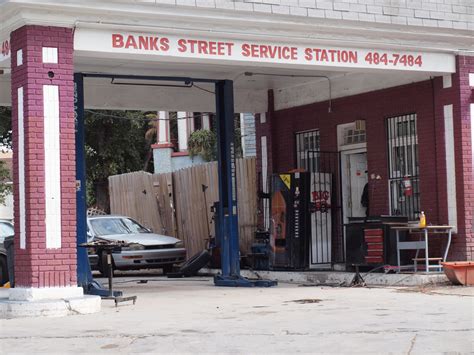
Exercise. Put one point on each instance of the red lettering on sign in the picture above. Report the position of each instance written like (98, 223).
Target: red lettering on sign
(205, 47)
(165, 44)
(246, 50)
(5, 48)
(131, 42)
(181, 45)
(154, 44)
(269, 51)
(294, 53)
(192, 43)
(117, 40)
(320, 201)
(330, 55)
(320, 195)
(202, 45)
(213, 48)
(147, 43)
(144, 41)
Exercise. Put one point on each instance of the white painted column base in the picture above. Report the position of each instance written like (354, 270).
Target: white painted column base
(46, 302)
(44, 293)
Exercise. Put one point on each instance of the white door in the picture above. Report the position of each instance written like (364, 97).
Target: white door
(357, 164)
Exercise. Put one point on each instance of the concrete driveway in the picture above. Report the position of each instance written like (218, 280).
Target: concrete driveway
(193, 316)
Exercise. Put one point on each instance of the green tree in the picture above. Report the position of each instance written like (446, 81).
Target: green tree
(204, 142)
(115, 144)
(5, 127)
(6, 142)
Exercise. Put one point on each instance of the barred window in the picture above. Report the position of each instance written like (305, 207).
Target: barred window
(404, 183)
(305, 142)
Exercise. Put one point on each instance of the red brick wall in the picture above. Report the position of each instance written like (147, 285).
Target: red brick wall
(463, 97)
(426, 99)
(374, 108)
(37, 266)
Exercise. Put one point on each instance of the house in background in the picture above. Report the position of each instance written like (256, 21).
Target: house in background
(170, 153)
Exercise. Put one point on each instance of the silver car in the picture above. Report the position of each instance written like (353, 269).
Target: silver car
(6, 230)
(146, 249)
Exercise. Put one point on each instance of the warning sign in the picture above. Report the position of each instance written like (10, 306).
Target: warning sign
(286, 178)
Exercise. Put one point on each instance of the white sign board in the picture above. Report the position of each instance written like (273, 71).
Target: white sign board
(211, 49)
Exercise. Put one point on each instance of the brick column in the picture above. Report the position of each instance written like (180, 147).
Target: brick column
(463, 243)
(44, 159)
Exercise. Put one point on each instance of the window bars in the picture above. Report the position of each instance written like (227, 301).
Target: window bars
(306, 142)
(404, 189)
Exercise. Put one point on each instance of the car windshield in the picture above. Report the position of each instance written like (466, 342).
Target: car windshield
(113, 226)
(6, 230)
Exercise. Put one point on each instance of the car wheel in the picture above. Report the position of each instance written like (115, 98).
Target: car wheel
(3, 270)
(196, 263)
(103, 267)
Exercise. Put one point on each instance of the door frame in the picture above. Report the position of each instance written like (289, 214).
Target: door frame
(344, 156)
(345, 152)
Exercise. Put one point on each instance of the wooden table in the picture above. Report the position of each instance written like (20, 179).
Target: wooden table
(422, 244)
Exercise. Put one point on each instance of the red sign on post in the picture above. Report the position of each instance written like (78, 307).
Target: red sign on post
(5, 48)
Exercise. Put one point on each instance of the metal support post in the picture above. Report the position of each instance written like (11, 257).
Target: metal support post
(84, 275)
(227, 208)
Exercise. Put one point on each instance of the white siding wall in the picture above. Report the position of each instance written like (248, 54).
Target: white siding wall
(457, 14)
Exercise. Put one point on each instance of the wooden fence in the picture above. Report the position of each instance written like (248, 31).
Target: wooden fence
(178, 204)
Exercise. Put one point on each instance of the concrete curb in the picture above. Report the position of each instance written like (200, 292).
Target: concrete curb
(336, 278)
(49, 308)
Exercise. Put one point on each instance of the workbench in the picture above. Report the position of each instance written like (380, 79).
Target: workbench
(422, 244)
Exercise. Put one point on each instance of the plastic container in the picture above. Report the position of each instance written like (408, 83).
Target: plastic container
(422, 220)
(460, 272)
(8, 243)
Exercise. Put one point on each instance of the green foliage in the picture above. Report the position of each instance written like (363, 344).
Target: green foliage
(5, 141)
(115, 144)
(6, 127)
(203, 143)
(5, 182)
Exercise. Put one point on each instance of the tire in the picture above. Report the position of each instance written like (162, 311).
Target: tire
(103, 267)
(196, 263)
(3, 270)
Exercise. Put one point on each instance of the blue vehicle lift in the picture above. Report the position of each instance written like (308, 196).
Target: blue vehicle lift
(84, 273)
(228, 232)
